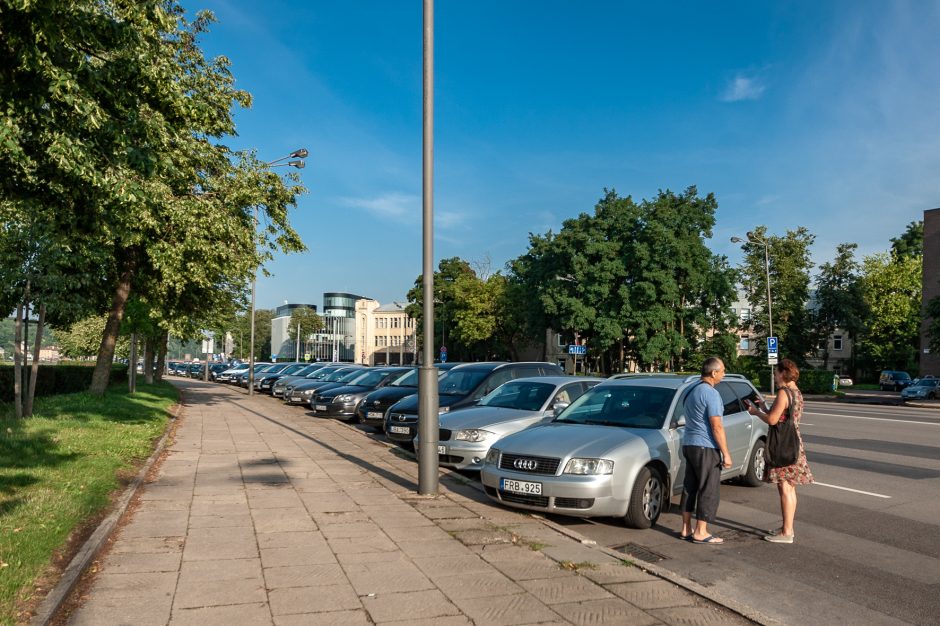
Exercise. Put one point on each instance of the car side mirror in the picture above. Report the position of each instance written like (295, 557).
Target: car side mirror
(559, 407)
(679, 423)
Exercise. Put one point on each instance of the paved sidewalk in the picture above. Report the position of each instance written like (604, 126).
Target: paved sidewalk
(261, 514)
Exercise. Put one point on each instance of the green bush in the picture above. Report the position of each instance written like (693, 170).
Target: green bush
(56, 379)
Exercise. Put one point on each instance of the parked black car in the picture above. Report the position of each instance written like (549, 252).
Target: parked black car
(372, 409)
(264, 381)
(277, 389)
(303, 391)
(463, 386)
(892, 380)
(341, 402)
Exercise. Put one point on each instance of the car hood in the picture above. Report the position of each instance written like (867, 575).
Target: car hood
(579, 440)
(335, 391)
(315, 384)
(495, 419)
(391, 393)
(410, 404)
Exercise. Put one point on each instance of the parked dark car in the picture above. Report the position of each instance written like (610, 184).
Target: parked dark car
(264, 382)
(277, 389)
(372, 409)
(341, 402)
(893, 380)
(463, 386)
(242, 379)
(303, 391)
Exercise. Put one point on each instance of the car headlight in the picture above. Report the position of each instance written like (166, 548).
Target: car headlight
(344, 398)
(589, 467)
(472, 434)
(306, 393)
(443, 409)
(492, 456)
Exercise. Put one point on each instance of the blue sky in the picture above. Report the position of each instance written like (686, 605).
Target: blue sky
(815, 114)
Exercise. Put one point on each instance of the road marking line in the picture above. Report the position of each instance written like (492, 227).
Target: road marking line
(877, 419)
(867, 493)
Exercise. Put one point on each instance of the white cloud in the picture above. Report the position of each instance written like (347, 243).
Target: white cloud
(393, 205)
(743, 88)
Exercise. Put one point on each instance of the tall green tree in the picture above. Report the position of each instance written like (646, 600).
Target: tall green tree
(790, 264)
(910, 242)
(892, 289)
(839, 298)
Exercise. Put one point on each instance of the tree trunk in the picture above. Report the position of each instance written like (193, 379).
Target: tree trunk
(18, 361)
(161, 356)
(34, 375)
(148, 360)
(132, 365)
(102, 374)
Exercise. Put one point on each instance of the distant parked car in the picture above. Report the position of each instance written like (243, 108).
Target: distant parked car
(845, 381)
(372, 409)
(301, 392)
(927, 388)
(341, 402)
(277, 389)
(466, 435)
(461, 387)
(892, 380)
(617, 450)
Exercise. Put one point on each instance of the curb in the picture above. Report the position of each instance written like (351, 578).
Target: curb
(70, 576)
(689, 585)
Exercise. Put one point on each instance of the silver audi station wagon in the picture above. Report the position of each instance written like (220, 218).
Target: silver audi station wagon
(617, 450)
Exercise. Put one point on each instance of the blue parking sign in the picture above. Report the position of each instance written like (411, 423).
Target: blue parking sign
(771, 345)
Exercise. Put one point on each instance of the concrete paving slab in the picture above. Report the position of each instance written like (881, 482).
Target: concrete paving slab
(434, 566)
(576, 553)
(698, 616)
(136, 611)
(506, 610)
(655, 594)
(531, 569)
(305, 576)
(451, 620)
(418, 605)
(249, 614)
(148, 545)
(291, 539)
(386, 577)
(327, 503)
(444, 548)
(351, 529)
(346, 545)
(427, 532)
(607, 611)
(570, 588)
(128, 563)
(476, 585)
(342, 517)
(608, 573)
(209, 592)
(326, 598)
(302, 555)
(220, 521)
(133, 585)
(202, 508)
(204, 550)
(332, 618)
(219, 569)
(282, 520)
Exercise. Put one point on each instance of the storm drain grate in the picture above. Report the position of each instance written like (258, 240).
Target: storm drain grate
(641, 552)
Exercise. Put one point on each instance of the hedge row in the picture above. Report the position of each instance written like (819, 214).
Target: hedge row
(811, 381)
(53, 379)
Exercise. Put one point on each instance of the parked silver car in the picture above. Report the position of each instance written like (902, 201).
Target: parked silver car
(466, 435)
(617, 450)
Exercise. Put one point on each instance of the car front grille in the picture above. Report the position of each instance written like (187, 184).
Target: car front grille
(574, 503)
(402, 418)
(529, 464)
(540, 501)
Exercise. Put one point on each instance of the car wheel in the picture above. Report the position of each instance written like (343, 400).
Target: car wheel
(757, 465)
(646, 499)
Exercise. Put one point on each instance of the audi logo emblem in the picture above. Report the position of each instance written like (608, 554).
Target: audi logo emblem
(525, 464)
(401, 418)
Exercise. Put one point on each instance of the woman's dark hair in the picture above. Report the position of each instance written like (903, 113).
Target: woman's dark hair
(789, 370)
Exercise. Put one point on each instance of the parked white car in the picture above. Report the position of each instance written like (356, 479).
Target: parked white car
(617, 450)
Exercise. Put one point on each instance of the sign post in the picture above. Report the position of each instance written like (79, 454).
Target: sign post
(443, 354)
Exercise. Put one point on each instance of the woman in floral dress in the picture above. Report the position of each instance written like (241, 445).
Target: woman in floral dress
(788, 477)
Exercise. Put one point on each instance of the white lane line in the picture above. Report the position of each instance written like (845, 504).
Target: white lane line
(877, 419)
(866, 493)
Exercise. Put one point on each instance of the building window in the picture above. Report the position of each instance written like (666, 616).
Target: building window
(745, 343)
(745, 315)
(837, 343)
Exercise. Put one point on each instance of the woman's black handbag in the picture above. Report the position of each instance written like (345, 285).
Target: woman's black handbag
(783, 442)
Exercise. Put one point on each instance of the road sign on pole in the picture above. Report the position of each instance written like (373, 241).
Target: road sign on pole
(443, 354)
(771, 345)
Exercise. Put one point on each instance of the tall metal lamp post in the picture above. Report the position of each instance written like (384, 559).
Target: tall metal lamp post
(297, 157)
(770, 318)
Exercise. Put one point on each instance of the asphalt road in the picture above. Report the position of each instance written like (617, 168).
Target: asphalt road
(867, 547)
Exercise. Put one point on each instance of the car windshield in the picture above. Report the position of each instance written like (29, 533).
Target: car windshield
(262, 367)
(525, 396)
(408, 379)
(306, 369)
(276, 369)
(460, 382)
(349, 375)
(339, 374)
(322, 373)
(369, 378)
(927, 382)
(293, 369)
(631, 406)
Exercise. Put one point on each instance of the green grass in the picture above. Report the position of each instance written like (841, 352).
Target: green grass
(60, 467)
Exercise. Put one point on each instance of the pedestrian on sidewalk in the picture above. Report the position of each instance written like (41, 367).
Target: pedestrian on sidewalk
(705, 449)
(788, 405)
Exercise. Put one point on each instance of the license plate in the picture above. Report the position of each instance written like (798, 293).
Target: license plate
(442, 450)
(321, 407)
(520, 486)
(399, 430)
(374, 414)
(295, 399)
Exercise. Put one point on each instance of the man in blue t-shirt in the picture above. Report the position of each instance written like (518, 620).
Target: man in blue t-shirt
(706, 451)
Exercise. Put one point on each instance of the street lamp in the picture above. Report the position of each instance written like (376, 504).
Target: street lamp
(751, 237)
(296, 156)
